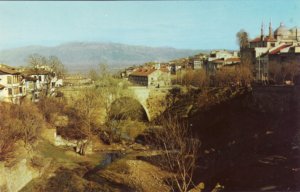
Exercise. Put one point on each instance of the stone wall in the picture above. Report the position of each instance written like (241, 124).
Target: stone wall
(276, 98)
(16, 177)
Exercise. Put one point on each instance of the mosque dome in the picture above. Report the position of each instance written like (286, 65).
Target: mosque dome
(295, 31)
(282, 31)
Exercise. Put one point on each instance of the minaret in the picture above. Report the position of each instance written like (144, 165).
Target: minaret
(262, 31)
(270, 30)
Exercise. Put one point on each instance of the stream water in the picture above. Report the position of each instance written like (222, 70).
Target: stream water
(107, 160)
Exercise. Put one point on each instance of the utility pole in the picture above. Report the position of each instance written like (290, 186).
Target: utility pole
(259, 77)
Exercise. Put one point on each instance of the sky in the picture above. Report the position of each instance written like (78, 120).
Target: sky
(180, 24)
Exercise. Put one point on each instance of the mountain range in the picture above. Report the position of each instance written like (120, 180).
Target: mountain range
(81, 56)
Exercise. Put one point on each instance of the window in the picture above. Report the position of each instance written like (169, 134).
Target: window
(16, 90)
(20, 90)
(9, 80)
(9, 91)
(40, 78)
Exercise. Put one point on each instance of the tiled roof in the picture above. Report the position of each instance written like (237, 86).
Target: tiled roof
(6, 70)
(257, 39)
(218, 61)
(233, 60)
(36, 72)
(269, 39)
(265, 39)
(277, 49)
(142, 72)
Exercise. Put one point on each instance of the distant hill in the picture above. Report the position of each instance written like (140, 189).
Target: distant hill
(83, 56)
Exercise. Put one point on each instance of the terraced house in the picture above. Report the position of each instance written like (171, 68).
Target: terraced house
(12, 85)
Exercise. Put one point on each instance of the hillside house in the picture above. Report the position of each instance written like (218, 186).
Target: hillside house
(198, 61)
(220, 58)
(40, 80)
(12, 85)
(150, 77)
(127, 72)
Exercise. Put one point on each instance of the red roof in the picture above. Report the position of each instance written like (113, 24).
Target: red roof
(257, 39)
(265, 39)
(269, 39)
(218, 61)
(233, 60)
(278, 49)
(142, 72)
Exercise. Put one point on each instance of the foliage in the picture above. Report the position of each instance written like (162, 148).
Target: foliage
(242, 38)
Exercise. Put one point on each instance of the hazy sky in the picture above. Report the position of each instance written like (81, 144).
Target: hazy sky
(179, 24)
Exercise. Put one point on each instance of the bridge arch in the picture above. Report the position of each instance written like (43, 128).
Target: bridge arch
(124, 107)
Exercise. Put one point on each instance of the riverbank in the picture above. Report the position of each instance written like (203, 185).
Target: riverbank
(113, 168)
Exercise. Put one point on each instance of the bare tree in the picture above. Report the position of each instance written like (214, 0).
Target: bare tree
(244, 75)
(293, 69)
(54, 63)
(180, 152)
(36, 60)
(21, 123)
(226, 77)
(86, 105)
(93, 75)
(284, 71)
(275, 70)
(57, 66)
(196, 78)
(200, 78)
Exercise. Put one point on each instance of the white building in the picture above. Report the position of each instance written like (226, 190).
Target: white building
(218, 59)
(12, 85)
(219, 54)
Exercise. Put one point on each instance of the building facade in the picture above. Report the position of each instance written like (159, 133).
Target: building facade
(265, 52)
(220, 58)
(12, 85)
(150, 77)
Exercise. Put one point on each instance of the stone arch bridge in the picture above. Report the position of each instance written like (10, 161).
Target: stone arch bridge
(153, 100)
